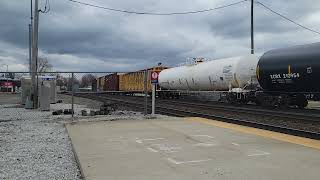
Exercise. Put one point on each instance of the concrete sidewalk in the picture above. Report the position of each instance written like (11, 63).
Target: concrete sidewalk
(176, 148)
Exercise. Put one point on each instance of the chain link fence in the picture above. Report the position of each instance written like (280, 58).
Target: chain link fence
(62, 90)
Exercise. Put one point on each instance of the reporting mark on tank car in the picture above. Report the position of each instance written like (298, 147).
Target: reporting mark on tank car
(285, 76)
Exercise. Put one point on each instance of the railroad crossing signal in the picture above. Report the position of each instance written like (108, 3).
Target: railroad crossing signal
(154, 77)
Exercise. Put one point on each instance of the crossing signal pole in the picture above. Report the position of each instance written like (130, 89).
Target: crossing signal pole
(154, 80)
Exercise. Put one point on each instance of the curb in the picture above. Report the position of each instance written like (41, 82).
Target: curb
(74, 153)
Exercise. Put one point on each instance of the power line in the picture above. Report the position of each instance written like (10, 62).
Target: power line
(158, 14)
(286, 18)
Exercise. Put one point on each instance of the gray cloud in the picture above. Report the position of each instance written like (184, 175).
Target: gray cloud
(75, 37)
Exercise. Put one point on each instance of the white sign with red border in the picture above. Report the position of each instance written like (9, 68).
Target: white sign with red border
(154, 77)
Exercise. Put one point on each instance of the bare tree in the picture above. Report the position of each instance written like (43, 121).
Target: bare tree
(87, 80)
(75, 82)
(62, 81)
(44, 65)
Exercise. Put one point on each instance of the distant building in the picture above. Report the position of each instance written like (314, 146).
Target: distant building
(9, 85)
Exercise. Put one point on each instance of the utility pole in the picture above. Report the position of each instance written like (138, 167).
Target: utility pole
(252, 37)
(30, 44)
(34, 63)
(30, 37)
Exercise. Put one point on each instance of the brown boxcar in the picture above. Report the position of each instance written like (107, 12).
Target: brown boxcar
(112, 82)
(134, 81)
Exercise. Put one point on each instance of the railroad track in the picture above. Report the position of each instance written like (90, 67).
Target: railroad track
(252, 111)
(231, 115)
(305, 116)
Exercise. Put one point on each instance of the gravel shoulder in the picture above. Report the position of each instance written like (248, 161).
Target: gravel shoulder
(8, 98)
(80, 101)
(35, 144)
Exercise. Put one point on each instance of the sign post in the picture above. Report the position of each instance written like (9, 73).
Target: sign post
(145, 92)
(154, 81)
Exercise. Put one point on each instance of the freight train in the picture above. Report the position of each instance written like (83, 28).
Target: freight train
(127, 83)
(282, 77)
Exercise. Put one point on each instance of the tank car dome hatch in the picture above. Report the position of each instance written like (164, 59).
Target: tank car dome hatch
(294, 69)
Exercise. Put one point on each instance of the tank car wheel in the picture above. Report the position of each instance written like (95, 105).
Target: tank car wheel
(272, 103)
(302, 104)
(301, 101)
(244, 101)
(230, 99)
(260, 99)
(269, 102)
(284, 101)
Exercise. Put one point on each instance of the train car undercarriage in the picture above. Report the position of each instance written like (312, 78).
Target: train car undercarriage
(260, 98)
(269, 99)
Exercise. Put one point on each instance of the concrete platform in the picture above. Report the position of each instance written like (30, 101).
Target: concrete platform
(189, 149)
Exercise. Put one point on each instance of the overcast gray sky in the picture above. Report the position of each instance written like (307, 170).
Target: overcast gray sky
(80, 38)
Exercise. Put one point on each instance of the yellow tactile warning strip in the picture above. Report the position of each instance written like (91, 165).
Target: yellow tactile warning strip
(264, 133)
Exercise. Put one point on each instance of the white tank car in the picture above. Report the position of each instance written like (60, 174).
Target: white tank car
(216, 75)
